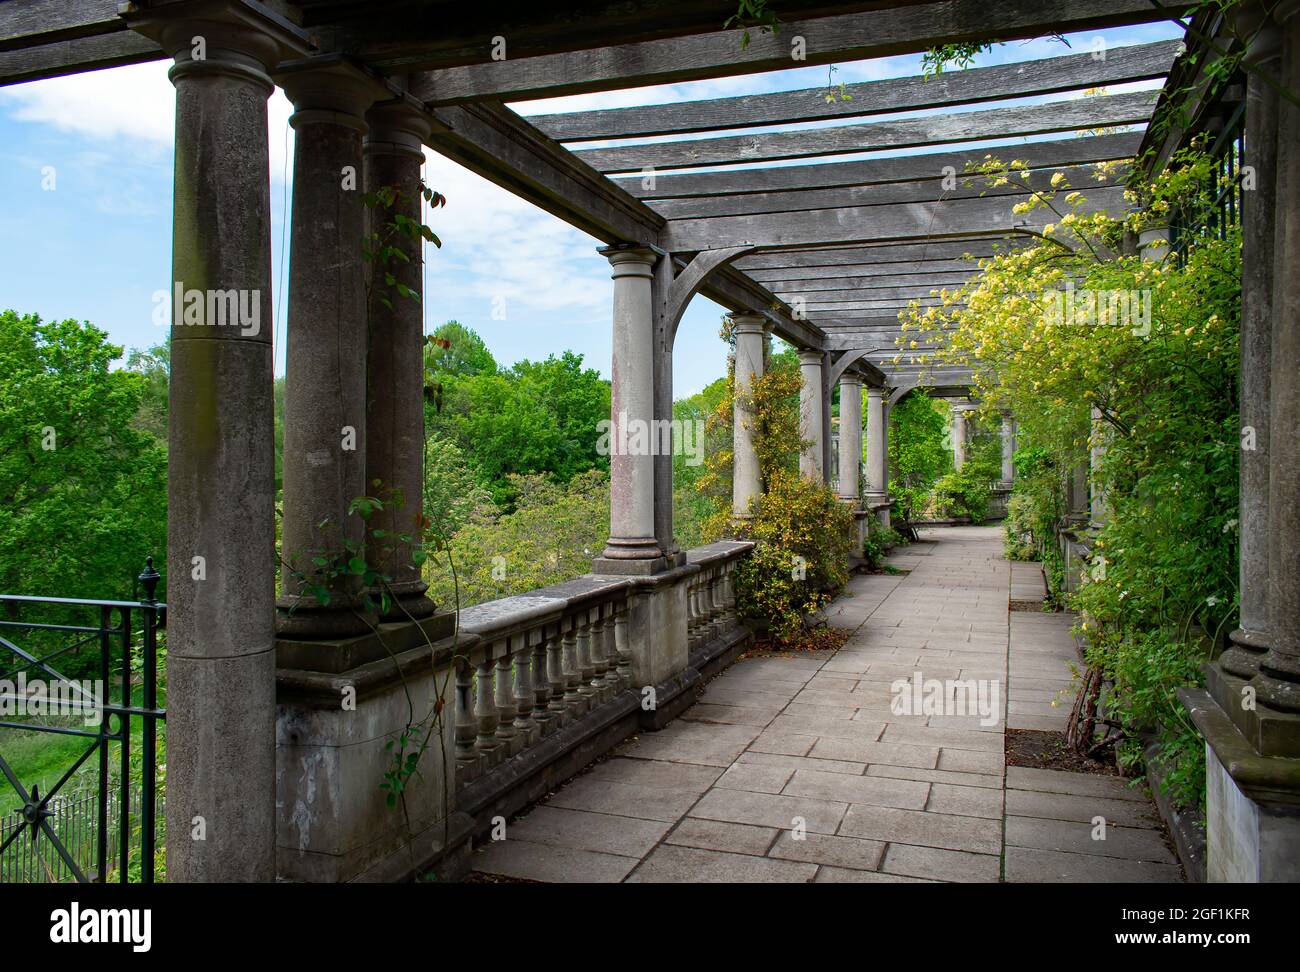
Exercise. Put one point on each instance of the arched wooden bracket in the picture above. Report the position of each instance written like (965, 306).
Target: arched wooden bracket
(896, 395)
(677, 294)
(847, 360)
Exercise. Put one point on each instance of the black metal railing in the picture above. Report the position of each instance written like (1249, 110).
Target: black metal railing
(1224, 141)
(117, 643)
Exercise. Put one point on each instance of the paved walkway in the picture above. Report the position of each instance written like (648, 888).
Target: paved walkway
(797, 769)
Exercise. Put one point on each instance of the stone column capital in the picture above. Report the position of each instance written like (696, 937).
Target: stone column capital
(850, 378)
(329, 90)
(219, 37)
(751, 323)
(397, 127)
(808, 359)
(874, 392)
(630, 261)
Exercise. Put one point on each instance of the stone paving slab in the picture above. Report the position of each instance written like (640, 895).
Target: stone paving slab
(797, 769)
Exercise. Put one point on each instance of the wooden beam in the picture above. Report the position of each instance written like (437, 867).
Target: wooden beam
(75, 56)
(812, 276)
(1053, 75)
(815, 287)
(882, 254)
(31, 23)
(496, 143)
(865, 224)
(928, 189)
(850, 299)
(822, 40)
(1076, 114)
(1077, 150)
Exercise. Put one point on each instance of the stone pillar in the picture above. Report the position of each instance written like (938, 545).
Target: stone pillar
(850, 436)
(394, 152)
(877, 446)
(1096, 455)
(1251, 722)
(632, 546)
(959, 435)
(325, 359)
(747, 480)
(1258, 224)
(1153, 244)
(221, 468)
(1008, 448)
(1278, 681)
(810, 416)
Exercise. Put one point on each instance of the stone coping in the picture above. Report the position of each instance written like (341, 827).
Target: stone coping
(1265, 779)
(712, 553)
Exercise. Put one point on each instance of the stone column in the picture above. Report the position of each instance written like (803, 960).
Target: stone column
(632, 546)
(1278, 681)
(810, 415)
(394, 151)
(1008, 448)
(747, 481)
(1096, 455)
(220, 469)
(850, 436)
(959, 435)
(325, 358)
(1258, 225)
(877, 446)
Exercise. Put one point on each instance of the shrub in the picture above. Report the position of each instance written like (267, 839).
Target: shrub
(803, 536)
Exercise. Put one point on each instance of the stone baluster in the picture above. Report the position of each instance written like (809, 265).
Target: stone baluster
(543, 715)
(485, 710)
(596, 645)
(586, 670)
(505, 699)
(558, 704)
(574, 700)
(466, 726)
(623, 647)
(525, 728)
(610, 650)
(715, 603)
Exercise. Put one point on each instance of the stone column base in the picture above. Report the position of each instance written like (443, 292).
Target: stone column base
(1252, 801)
(338, 706)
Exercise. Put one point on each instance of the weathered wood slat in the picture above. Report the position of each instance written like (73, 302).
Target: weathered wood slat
(496, 143)
(862, 273)
(879, 254)
(830, 300)
(1077, 150)
(76, 56)
(881, 33)
(865, 224)
(929, 189)
(815, 287)
(1101, 111)
(1073, 72)
(30, 23)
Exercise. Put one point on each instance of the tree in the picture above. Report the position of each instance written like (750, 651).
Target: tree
(458, 350)
(83, 490)
(919, 450)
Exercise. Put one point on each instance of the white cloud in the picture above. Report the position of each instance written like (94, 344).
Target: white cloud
(133, 105)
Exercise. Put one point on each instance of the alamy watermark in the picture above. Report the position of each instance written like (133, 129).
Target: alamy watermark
(56, 697)
(1099, 308)
(209, 308)
(919, 696)
(651, 437)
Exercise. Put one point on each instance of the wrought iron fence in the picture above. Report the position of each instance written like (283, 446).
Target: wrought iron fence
(117, 643)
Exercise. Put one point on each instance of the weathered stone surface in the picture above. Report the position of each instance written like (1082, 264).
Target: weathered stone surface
(924, 828)
(673, 864)
(851, 852)
(1042, 866)
(722, 836)
(583, 830)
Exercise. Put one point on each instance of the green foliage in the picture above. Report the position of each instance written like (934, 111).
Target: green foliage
(693, 504)
(552, 535)
(878, 541)
(963, 493)
(456, 349)
(83, 490)
(802, 532)
(919, 452)
(537, 417)
(1163, 386)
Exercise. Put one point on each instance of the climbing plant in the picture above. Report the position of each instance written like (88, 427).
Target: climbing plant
(1079, 325)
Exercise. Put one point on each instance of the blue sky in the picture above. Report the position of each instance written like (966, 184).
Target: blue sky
(98, 244)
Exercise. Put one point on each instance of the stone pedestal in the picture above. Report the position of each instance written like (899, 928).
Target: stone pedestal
(339, 705)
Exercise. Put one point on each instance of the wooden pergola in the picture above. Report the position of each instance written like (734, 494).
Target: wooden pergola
(726, 198)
